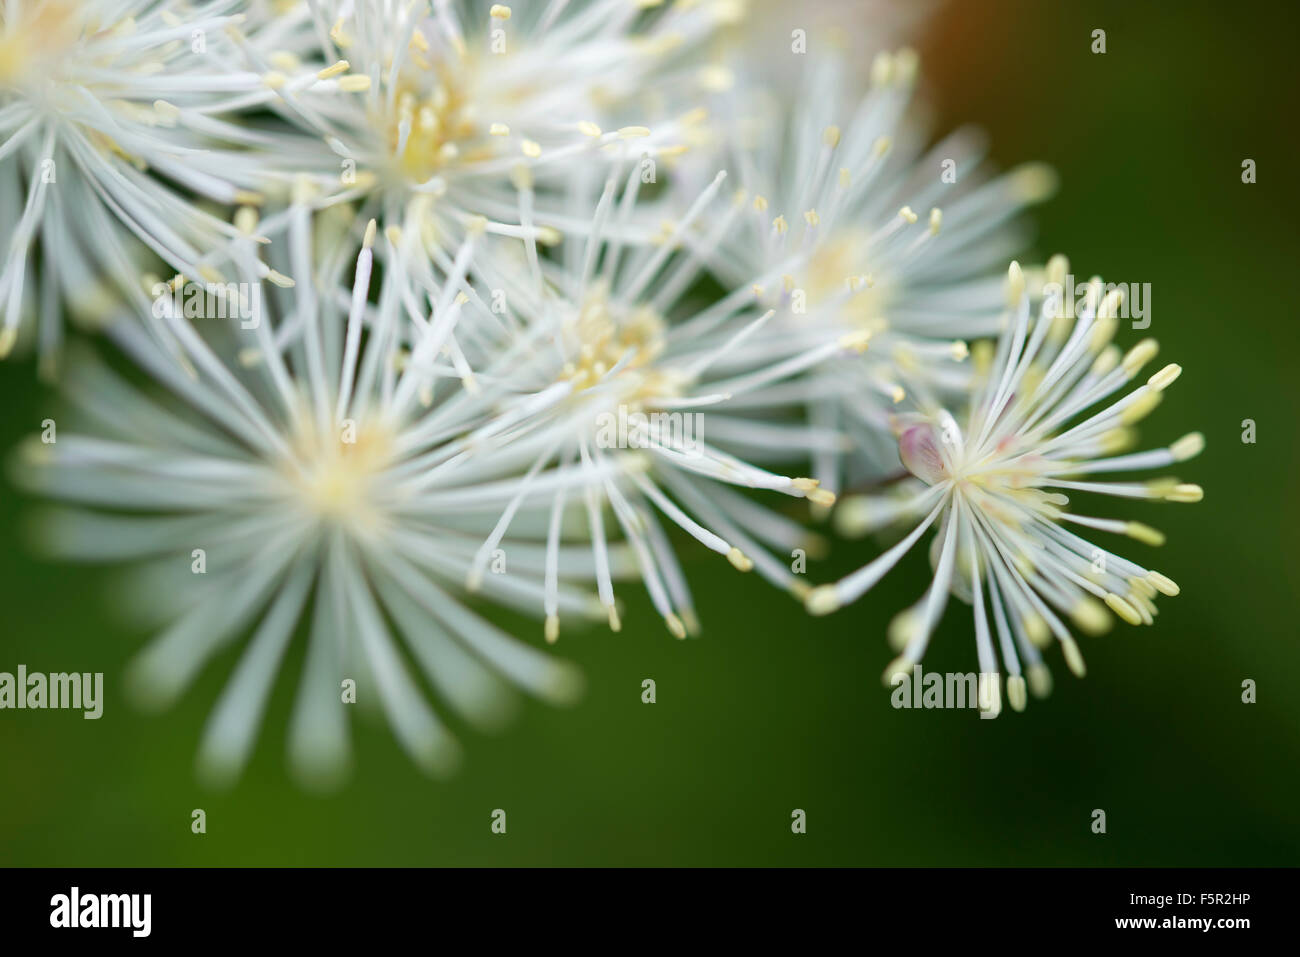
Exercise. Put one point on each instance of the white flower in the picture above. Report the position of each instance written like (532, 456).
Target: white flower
(96, 97)
(325, 476)
(998, 484)
(853, 227)
(446, 101)
(614, 362)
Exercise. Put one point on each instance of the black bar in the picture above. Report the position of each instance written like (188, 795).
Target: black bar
(548, 907)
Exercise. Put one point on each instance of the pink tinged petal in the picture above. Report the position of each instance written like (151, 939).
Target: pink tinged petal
(918, 447)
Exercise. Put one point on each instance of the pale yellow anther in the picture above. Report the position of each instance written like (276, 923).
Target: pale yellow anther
(552, 630)
(1034, 182)
(498, 129)
(1103, 331)
(1109, 308)
(1016, 692)
(846, 180)
(246, 220)
(1107, 360)
(1144, 533)
(1058, 267)
(1036, 629)
(811, 217)
(521, 175)
(959, 350)
(1140, 355)
(588, 128)
(1143, 589)
(831, 136)
(1040, 680)
(902, 628)
(675, 625)
(907, 216)
(760, 203)
(822, 600)
(897, 394)
(341, 38)
(881, 146)
(168, 113)
(882, 68)
(499, 11)
(1141, 407)
(1185, 493)
(615, 623)
(1090, 615)
(1015, 284)
(1165, 377)
(279, 279)
(896, 672)
(1073, 657)
(936, 220)
(1189, 446)
(1123, 609)
(633, 132)
(368, 240)
(856, 341)
(1166, 586)
(338, 68)
(354, 83)
(740, 560)
(274, 80)
(530, 149)
(1117, 440)
(780, 225)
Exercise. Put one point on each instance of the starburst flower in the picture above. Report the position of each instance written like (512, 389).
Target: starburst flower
(860, 229)
(105, 139)
(614, 364)
(1041, 424)
(444, 101)
(318, 472)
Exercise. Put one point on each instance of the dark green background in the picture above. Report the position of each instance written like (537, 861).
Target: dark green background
(771, 711)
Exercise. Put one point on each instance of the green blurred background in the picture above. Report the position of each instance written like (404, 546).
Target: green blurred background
(770, 711)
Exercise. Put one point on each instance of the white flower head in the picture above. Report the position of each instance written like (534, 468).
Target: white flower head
(318, 472)
(104, 112)
(997, 481)
(467, 104)
(856, 228)
(615, 363)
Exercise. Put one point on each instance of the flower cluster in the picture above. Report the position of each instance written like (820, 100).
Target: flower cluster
(421, 305)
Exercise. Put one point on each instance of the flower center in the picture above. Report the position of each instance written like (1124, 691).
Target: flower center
(337, 476)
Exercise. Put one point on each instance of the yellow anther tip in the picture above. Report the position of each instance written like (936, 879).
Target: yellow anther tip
(822, 600)
(1123, 609)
